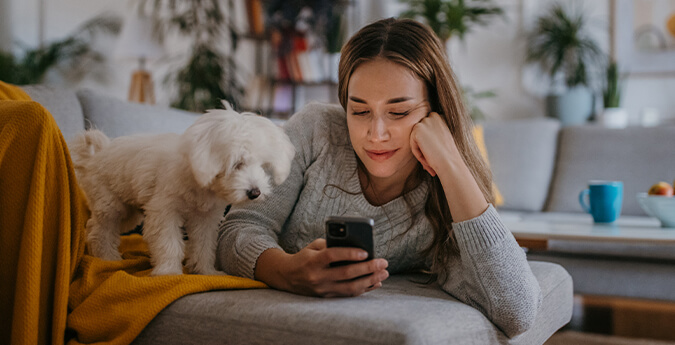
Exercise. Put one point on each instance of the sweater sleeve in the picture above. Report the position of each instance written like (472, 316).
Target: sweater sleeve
(491, 273)
(251, 228)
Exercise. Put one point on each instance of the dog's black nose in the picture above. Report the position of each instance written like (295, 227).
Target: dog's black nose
(253, 193)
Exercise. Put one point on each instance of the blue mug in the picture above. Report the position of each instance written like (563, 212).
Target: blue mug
(605, 197)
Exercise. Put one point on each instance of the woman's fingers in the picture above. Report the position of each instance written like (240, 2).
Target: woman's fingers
(417, 152)
(337, 254)
(317, 244)
(359, 286)
(356, 270)
(373, 287)
(312, 274)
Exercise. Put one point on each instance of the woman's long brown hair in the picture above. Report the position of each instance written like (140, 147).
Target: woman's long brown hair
(415, 46)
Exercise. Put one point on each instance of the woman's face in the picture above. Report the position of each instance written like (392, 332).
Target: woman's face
(385, 101)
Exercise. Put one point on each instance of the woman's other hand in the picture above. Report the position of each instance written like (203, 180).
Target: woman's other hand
(432, 143)
(308, 272)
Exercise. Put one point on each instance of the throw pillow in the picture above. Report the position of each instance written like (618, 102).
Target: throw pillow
(479, 138)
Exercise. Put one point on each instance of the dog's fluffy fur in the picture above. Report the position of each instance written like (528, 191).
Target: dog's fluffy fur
(176, 181)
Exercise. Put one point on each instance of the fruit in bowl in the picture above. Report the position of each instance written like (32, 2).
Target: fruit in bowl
(661, 188)
(659, 206)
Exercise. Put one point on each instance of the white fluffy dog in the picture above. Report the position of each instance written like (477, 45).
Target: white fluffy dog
(177, 181)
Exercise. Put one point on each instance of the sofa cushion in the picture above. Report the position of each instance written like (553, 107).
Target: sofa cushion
(116, 118)
(62, 104)
(401, 312)
(522, 154)
(638, 156)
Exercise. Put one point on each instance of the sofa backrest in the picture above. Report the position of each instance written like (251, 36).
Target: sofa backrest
(638, 156)
(522, 154)
(62, 104)
(116, 117)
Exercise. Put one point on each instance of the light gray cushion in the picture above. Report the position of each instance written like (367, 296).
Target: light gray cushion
(637, 156)
(62, 104)
(116, 118)
(616, 275)
(522, 154)
(401, 312)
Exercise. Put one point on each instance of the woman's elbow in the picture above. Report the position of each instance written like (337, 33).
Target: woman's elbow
(519, 316)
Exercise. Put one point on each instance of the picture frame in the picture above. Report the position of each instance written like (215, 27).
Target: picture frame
(628, 52)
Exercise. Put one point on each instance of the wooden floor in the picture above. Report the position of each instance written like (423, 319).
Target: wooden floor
(624, 317)
(567, 337)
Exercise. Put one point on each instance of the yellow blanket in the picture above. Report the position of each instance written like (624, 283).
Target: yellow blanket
(47, 282)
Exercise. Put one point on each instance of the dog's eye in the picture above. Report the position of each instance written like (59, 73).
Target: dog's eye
(238, 165)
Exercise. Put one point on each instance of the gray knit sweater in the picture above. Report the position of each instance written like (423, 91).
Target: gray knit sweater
(490, 272)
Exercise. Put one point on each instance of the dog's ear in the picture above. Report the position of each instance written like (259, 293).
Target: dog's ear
(281, 163)
(204, 162)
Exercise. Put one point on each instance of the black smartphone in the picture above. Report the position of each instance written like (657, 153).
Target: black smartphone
(350, 232)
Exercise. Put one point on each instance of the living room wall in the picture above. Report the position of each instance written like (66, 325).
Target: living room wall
(490, 58)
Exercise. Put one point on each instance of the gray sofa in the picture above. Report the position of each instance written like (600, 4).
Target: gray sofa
(403, 311)
(540, 169)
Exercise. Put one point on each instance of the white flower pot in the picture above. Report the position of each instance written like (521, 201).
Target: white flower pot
(614, 118)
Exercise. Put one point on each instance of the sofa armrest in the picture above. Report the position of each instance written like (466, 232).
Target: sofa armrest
(401, 312)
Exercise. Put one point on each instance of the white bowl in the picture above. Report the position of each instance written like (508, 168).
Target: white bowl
(661, 207)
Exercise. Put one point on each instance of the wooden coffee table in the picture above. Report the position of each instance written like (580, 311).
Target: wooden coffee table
(535, 232)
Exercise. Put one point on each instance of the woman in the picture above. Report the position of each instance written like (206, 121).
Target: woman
(399, 151)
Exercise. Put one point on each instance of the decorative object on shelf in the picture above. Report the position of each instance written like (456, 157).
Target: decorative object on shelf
(209, 74)
(642, 36)
(138, 43)
(452, 17)
(650, 117)
(613, 116)
(256, 17)
(73, 56)
(561, 46)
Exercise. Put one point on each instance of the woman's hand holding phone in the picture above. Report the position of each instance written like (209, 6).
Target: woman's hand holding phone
(308, 272)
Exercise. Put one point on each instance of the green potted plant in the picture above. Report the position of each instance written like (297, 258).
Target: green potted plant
(564, 50)
(613, 115)
(73, 56)
(450, 18)
(209, 73)
(471, 99)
